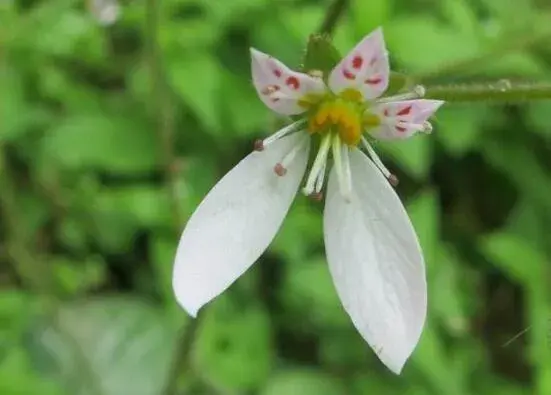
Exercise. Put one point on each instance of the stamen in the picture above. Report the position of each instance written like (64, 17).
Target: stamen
(317, 196)
(321, 178)
(427, 128)
(417, 93)
(281, 168)
(377, 161)
(260, 145)
(342, 167)
(318, 165)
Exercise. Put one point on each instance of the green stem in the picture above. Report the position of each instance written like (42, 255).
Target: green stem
(27, 267)
(165, 130)
(162, 109)
(332, 16)
(502, 91)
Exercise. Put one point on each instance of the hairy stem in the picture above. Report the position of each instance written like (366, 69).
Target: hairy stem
(502, 91)
(332, 16)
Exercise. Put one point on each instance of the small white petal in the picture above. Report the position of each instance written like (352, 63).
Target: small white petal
(376, 262)
(279, 87)
(365, 68)
(402, 119)
(235, 223)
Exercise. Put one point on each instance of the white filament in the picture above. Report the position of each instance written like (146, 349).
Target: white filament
(342, 167)
(375, 158)
(417, 92)
(291, 155)
(318, 165)
(287, 130)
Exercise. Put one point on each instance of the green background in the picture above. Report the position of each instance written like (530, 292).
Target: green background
(111, 136)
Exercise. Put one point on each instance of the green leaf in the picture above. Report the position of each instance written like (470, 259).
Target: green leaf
(107, 346)
(115, 144)
(425, 214)
(76, 277)
(520, 260)
(423, 44)
(538, 117)
(368, 15)
(308, 292)
(303, 382)
(233, 347)
(414, 155)
(246, 114)
(197, 81)
(148, 206)
(459, 127)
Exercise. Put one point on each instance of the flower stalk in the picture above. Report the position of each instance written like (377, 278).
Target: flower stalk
(502, 91)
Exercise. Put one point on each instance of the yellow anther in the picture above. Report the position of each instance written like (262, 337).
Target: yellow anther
(310, 100)
(352, 95)
(371, 120)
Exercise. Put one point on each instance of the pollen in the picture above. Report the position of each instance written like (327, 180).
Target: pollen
(341, 116)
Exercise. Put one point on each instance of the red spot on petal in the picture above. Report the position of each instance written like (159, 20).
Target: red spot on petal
(373, 81)
(277, 73)
(292, 82)
(357, 62)
(348, 75)
(404, 111)
(400, 129)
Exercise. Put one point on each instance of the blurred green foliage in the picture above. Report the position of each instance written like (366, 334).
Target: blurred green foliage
(87, 221)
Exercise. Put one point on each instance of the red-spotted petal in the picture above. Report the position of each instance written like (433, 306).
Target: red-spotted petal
(365, 68)
(279, 87)
(402, 119)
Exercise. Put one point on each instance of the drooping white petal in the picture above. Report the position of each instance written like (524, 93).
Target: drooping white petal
(365, 68)
(236, 222)
(402, 119)
(279, 87)
(376, 262)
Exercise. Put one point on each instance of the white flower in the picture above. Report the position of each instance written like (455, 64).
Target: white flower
(373, 253)
(106, 12)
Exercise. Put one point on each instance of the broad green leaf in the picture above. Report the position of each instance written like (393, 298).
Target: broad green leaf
(519, 259)
(413, 155)
(76, 277)
(308, 292)
(424, 212)
(114, 144)
(108, 346)
(197, 79)
(537, 114)
(301, 230)
(233, 348)
(423, 44)
(303, 382)
(368, 15)
(245, 113)
(148, 206)
(459, 126)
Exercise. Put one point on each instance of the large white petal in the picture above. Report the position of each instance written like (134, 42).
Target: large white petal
(235, 223)
(376, 262)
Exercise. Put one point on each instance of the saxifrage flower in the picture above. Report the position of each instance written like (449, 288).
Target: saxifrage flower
(373, 253)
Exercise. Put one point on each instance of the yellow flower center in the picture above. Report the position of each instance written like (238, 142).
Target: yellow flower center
(344, 114)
